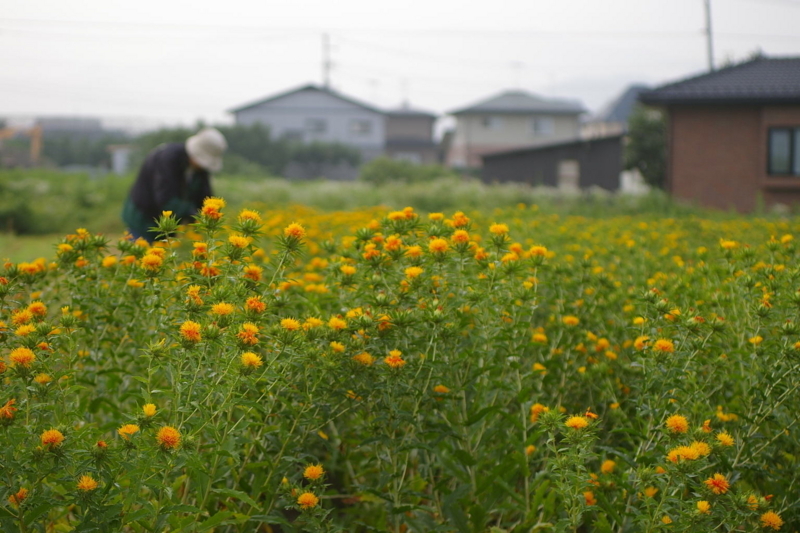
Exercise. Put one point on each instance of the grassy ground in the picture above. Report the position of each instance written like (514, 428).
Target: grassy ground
(26, 248)
(47, 204)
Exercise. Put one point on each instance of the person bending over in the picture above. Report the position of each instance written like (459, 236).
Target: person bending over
(174, 177)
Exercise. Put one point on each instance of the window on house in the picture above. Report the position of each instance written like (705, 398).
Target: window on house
(543, 126)
(784, 151)
(360, 127)
(492, 123)
(316, 125)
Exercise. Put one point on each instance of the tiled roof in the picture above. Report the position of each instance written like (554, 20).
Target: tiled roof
(761, 80)
(521, 102)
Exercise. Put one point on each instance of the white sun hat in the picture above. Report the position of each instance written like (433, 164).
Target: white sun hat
(206, 148)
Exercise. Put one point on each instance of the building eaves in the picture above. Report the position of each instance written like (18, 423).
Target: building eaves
(550, 146)
(758, 81)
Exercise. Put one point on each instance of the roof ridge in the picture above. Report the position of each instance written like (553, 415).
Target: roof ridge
(308, 86)
(715, 72)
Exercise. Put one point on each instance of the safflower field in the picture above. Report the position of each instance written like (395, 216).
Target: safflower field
(376, 370)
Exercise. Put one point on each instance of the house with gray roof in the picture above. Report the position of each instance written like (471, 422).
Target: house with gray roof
(312, 113)
(319, 114)
(509, 120)
(734, 134)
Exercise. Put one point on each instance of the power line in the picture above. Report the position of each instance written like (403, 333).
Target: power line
(470, 32)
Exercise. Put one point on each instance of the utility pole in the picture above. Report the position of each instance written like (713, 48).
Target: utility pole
(709, 39)
(326, 61)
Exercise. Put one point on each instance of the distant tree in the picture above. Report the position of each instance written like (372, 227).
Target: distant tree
(74, 149)
(255, 144)
(646, 148)
(314, 157)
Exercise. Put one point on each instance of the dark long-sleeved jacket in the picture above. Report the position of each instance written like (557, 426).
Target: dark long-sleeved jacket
(165, 183)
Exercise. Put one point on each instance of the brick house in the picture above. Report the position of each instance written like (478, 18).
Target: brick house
(734, 134)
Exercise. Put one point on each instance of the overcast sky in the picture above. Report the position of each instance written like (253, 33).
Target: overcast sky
(176, 61)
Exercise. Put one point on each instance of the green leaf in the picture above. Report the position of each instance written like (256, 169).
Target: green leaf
(464, 458)
(214, 521)
(237, 494)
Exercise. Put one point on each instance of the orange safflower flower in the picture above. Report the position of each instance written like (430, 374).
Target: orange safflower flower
(536, 410)
(190, 331)
(238, 241)
(498, 229)
(37, 308)
(664, 346)
(255, 304)
(364, 358)
(211, 208)
(87, 483)
(460, 236)
(248, 333)
(570, 320)
(294, 230)
(725, 439)
(222, 309)
(681, 453)
(641, 342)
(313, 472)
(577, 422)
(151, 262)
(251, 360)
(23, 357)
(772, 520)
(394, 360)
(17, 498)
(127, 431)
(413, 272)
(8, 410)
(337, 324)
(247, 214)
(307, 500)
(253, 272)
(168, 438)
(677, 424)
(718, 484)
(52, 438)
(290, 324)
(23, 316)
(438, 246)
(608, 466)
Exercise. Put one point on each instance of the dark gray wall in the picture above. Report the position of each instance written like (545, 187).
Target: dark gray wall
(600, 163)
